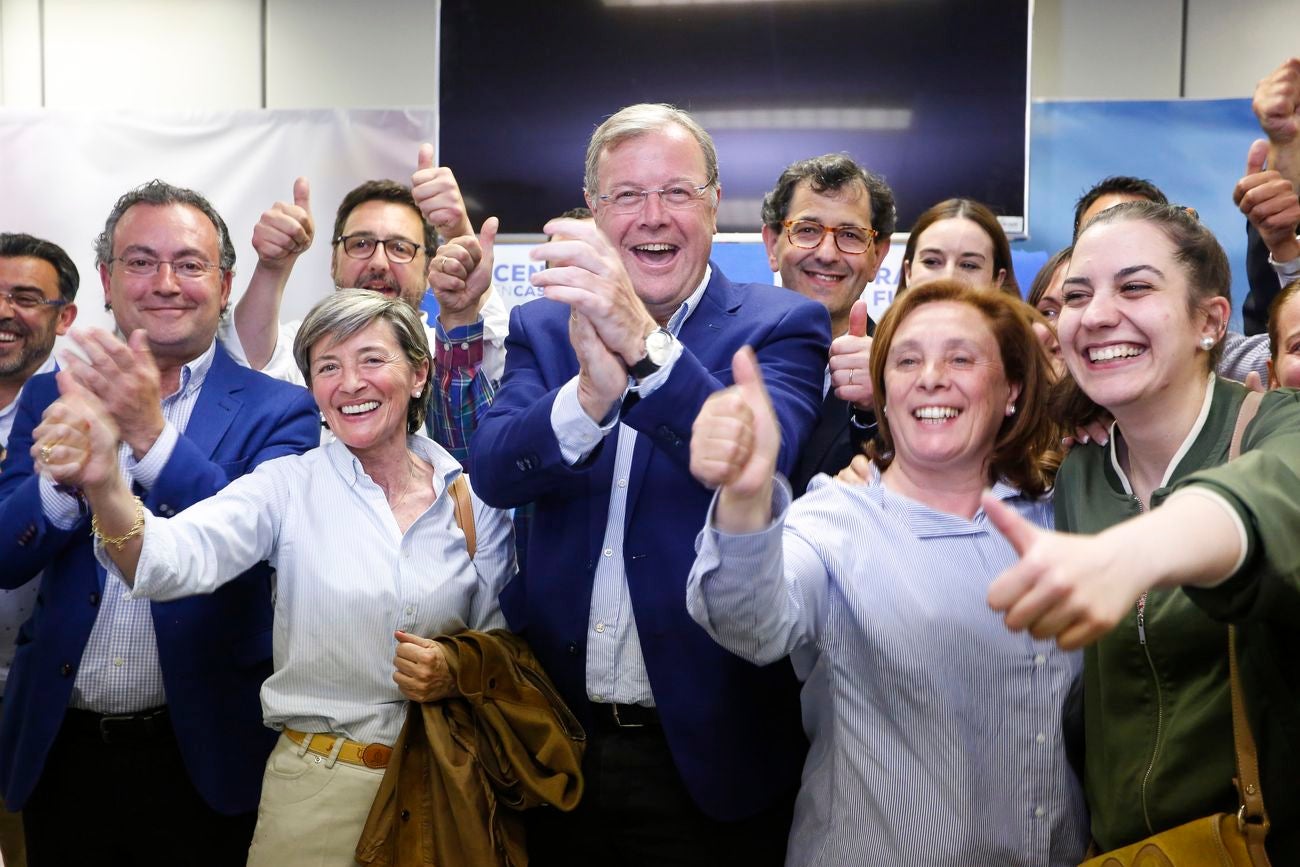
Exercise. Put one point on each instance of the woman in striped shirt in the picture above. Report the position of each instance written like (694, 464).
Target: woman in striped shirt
(934, 739)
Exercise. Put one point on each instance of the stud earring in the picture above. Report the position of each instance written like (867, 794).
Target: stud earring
(1207, 343)
(1011, 409)
(884, 410)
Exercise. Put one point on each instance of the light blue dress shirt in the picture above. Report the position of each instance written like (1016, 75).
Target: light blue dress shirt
(935, 732)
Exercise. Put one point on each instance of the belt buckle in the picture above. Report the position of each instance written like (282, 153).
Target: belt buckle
(613, 709)
(116, 728)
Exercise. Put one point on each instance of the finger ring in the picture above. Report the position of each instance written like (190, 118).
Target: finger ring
(45, 453)
(851, 373)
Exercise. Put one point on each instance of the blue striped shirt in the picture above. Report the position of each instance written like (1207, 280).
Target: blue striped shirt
(936, 732)
(120, 671)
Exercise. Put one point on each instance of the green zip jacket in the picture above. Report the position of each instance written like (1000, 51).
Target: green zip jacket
(1158, 719)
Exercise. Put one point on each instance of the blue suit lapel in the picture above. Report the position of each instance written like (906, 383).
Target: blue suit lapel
(217, 404)
(720, 301)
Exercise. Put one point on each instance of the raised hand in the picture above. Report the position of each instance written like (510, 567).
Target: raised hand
(76, 440)
(286, 230)
(587, 273)
(420, 668)
(850, 361)
(1277, 106)
(124, 377)
(460, 274)
(734, 444)
(1072, 588)
(602, 376)
(438, 196)
(1270, 203)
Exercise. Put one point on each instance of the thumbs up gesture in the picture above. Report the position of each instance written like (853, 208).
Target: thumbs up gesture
(460, 273)
(734, 445)
(851, 360)
(1270, 203)
(1073, 588)
(438, 196)
(286, 230)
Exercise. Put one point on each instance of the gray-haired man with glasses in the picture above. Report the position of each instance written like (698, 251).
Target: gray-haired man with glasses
(826, 227)
(693, 755)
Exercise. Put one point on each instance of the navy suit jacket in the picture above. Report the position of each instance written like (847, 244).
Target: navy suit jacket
(214, 650)
(733, 728)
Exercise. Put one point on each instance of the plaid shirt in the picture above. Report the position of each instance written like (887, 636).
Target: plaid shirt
(464, 390)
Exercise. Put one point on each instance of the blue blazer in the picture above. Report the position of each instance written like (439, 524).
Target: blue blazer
(733, 728)
(214, 650)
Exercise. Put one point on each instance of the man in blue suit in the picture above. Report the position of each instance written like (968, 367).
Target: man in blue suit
(132, 730)
(693, 754)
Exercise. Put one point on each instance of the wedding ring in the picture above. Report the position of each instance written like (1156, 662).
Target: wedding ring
(851, 373)
(45, 453)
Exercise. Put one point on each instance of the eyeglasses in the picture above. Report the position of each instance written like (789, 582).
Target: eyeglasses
(397, 250)
(184, 269)
(630, 201)
(808, 235)
(29, 299)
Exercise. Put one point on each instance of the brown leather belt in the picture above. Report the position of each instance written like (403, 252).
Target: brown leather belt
(352, 753)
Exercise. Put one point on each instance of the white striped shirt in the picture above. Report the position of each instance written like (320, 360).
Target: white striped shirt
(119, 670)
(346, 579)
(936, 732)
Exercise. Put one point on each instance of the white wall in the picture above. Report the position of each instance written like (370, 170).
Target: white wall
(343, 53)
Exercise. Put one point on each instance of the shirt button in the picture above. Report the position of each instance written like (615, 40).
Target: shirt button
(1041, 738)
(600, 627)
(117, 660)
(1039, 660)
(622, 483)
(1039, 811)
(410, 609)
(608, 552)
(597, 697)
(464, 346)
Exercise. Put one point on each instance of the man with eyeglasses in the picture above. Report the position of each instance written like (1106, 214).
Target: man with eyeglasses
(383, 234)
(693, 755)
(826, 227)
(132, 731)
(38, 291)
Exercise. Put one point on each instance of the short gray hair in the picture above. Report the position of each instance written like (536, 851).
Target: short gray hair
(348, 311)
(158, 192)
(638, 120)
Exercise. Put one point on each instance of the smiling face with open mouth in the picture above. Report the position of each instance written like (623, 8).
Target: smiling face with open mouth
(363, 385)
(664, 249)
(384, 221)
(946, 390)
(27, 333)
(1127, 328)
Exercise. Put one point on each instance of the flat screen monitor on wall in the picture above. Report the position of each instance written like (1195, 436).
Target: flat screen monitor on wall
(931, 94)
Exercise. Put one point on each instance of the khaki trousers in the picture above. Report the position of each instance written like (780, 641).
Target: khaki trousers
(312, 809)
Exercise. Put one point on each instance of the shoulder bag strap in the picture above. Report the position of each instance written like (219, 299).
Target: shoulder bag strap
(464, 509)
(1252, 817)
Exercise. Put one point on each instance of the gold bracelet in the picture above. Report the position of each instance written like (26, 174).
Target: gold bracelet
(118, 542)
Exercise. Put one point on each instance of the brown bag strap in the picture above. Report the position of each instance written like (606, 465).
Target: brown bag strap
(464, 509)
(1253, 818)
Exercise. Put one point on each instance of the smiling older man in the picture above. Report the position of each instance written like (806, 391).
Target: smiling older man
(693, 753)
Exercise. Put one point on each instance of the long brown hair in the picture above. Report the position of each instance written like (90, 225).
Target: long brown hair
(1026, 451)
(980, 215)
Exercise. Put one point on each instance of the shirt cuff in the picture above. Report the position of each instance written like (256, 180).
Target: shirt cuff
(651, 383)
(147, 470)
(574, 430)
(1201, 491)
(1286, 271)
(61, 508)
(462, 347)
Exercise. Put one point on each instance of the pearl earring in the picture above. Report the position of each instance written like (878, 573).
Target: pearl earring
(1207, 343)
(1011, 409)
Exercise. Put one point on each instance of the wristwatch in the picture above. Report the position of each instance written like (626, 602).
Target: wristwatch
(658, 345)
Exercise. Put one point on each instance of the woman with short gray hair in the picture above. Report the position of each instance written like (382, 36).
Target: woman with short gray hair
(365, 536)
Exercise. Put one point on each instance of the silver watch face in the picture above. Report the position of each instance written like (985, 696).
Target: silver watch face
(657, 344)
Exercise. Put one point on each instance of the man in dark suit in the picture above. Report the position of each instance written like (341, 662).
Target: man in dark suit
(826, 227)
(694, 755)
(132, 730)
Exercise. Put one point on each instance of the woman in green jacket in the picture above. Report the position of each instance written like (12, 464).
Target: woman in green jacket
(1184, 543)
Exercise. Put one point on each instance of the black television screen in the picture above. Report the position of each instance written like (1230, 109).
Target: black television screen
(931, 94)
